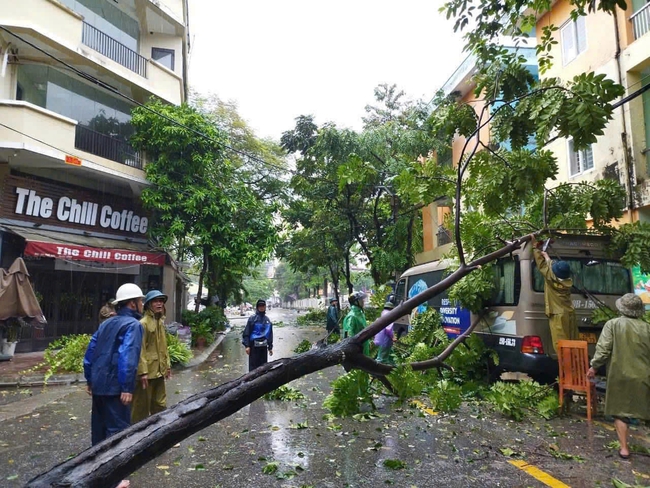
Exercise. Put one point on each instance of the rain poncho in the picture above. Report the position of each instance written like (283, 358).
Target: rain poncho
(384, 340)
(625, 345)
(353, 323)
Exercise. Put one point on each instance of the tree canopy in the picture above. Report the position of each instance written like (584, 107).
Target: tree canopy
(203, 205)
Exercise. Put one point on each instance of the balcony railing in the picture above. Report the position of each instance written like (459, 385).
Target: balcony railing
(107, 147)
(443, 236)
(115, 50)
(641, 21)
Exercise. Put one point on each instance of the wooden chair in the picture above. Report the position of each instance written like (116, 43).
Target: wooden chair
(573, 359)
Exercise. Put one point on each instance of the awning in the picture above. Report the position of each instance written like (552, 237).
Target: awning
(74, 247)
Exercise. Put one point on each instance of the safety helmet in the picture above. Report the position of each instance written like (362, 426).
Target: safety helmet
(154, 294)
(389, 305)
(333, 299)
(126, 292)
(357, 297)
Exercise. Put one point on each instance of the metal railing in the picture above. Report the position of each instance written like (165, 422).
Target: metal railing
(443, 236)
(641, 21)
(108, 147)
(115, 50)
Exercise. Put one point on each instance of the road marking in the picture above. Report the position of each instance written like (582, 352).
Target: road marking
(538, 474)
(421, 406)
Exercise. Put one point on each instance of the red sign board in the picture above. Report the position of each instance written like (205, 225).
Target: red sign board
(83, 253)
(73, 160)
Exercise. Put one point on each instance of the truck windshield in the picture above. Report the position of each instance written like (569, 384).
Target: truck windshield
(596, 276)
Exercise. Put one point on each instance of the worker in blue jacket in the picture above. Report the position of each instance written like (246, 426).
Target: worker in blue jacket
(111, 363)
(258, 337)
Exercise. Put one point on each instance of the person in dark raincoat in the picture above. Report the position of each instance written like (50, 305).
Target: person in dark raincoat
(624, 345)
(557, 297)
(110, 366)
(333, 317)
(258, 337)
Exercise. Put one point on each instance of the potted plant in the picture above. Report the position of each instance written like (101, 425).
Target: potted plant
(202, 334)
(11, 329)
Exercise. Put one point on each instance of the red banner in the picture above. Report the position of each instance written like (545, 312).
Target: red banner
(83, 253)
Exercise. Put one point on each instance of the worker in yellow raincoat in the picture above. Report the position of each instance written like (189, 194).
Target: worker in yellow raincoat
(557, 296)
(154, 367)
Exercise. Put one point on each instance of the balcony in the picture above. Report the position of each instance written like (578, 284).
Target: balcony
(443, 236)
(107, 147)
(112, 49)
(45, 138)
(641, 21)
(59, 30)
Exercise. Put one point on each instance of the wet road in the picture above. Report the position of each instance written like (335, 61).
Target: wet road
(437, 450)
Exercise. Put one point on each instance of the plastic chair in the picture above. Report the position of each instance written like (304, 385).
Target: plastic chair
(573, 359)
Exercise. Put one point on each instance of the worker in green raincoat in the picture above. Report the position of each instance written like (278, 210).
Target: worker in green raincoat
(624, 345)
(557, 296)
(355, 321)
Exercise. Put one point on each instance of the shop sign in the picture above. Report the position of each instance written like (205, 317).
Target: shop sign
(83, 253)
(43, 202)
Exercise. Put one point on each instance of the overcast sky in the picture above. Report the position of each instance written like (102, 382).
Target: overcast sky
(284, 58)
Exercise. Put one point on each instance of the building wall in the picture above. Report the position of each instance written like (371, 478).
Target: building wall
(611, 50)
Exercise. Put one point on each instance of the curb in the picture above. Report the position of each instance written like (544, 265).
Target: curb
(69, 379)
(196, 360)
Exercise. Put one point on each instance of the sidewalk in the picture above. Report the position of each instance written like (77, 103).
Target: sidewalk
(12, 372)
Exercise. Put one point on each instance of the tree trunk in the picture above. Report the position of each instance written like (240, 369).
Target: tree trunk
(348, 280)
(204, 269)
(105, 464)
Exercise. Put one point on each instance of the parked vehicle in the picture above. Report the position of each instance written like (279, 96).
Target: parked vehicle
(514, 323)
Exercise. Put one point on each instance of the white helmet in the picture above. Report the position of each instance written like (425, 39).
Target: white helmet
(126, 292)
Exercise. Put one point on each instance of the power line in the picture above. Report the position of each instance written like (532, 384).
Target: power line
(114, 90)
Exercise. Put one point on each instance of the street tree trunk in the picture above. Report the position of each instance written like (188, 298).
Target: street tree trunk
(105, 464)
(204, 269)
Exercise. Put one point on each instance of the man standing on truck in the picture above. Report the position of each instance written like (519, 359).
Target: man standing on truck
(557, 296)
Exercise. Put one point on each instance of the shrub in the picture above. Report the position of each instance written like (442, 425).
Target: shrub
(213, 315)
(179, 353)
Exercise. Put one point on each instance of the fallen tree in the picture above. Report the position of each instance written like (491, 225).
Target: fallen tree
(105, 464)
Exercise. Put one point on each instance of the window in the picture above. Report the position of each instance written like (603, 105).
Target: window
(163, 56)
(574, 39)
(108, 18)
(507, 282)
(580, 161)
(596, 276)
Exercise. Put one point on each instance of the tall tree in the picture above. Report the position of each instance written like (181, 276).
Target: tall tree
(199, 198)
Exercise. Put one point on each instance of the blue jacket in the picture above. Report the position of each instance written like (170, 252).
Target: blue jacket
(111, 360)
(258, 327)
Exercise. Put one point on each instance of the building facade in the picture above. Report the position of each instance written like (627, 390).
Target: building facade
(70, 183)
(437, 239)
(618, 46)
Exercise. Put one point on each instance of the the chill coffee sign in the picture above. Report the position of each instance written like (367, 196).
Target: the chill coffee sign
(71, 210)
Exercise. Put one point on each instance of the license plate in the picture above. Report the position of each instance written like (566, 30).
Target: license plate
(590, 337)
